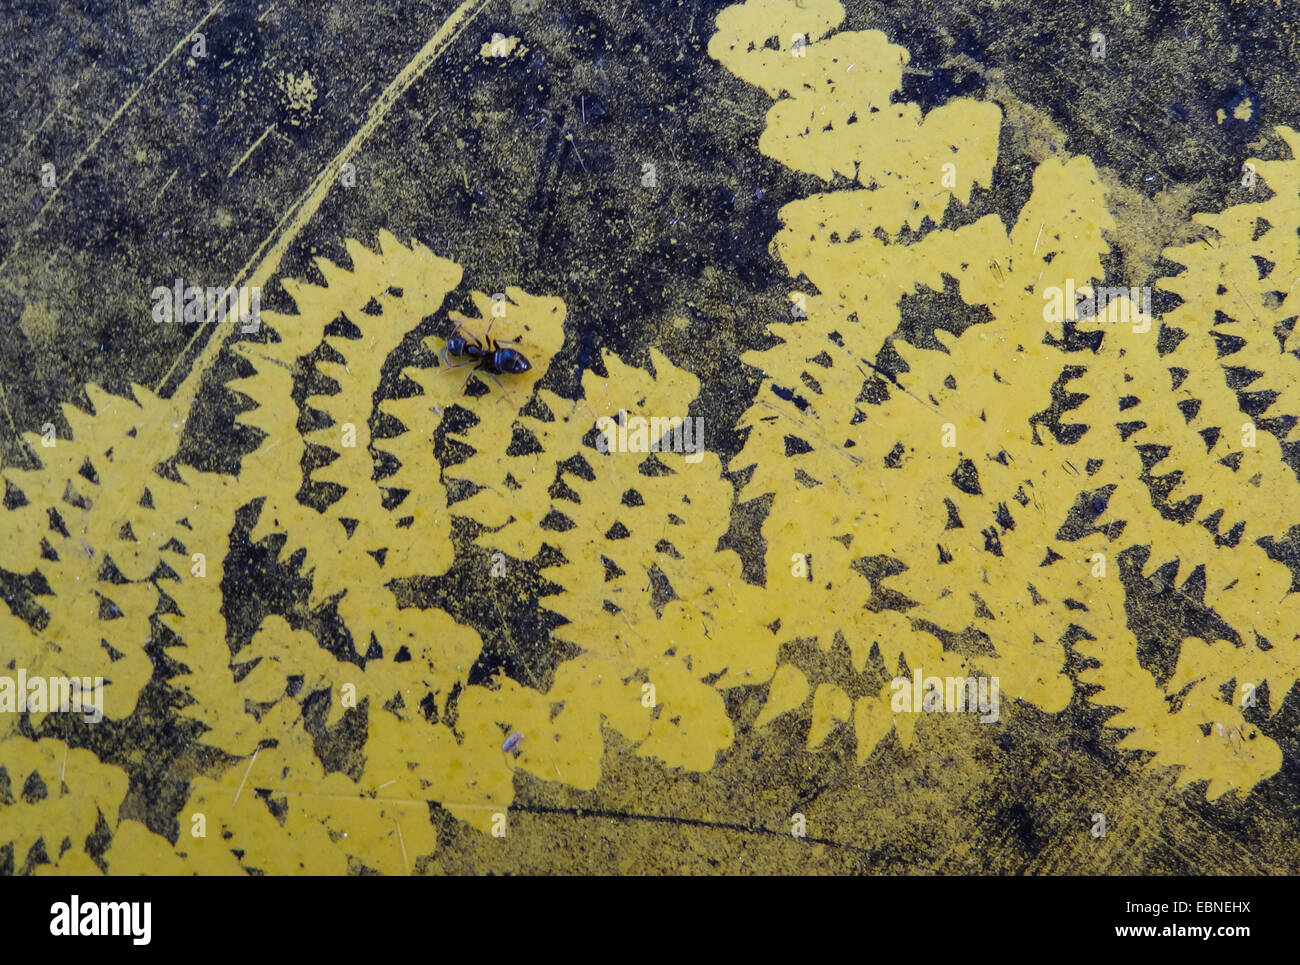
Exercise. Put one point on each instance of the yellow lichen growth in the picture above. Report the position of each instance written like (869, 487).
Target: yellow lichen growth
(57, 806)
(91, 527)
(980, 506)
(370, 533)
(959, 517)
(650, 655)
(860, 493)
(1208, 415)
(649, 600)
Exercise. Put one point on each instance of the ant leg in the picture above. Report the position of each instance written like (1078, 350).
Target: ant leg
(501, 341)
(447, 364)
(465, 385)
(509, 398)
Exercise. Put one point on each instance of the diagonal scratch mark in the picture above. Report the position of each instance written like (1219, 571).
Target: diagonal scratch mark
(249, 152)
(53, 111)
(406, 864)
(247, 771)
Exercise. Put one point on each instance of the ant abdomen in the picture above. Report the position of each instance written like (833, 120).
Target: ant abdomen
(510, 361)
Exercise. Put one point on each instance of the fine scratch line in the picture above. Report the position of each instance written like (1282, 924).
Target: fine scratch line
(53, 111)
(406, 864)
(165, 187)
(247, 771)
(250, 150)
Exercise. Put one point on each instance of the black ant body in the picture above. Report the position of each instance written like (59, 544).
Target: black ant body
(492, 357)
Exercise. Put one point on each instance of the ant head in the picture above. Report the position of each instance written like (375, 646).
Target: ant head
(512, 361)
(456, 343)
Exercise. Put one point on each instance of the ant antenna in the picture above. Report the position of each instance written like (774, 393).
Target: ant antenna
(460, 328)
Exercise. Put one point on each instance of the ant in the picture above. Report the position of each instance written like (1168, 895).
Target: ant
(491, 357)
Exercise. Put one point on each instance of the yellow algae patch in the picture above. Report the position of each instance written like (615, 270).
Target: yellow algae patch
(1184, 413)
(745, 33)
(502, 46)
(1206, 739)
(135, 850)
(383, 296)
(833, 117)
(857, 489)
(1002, 495)
(98, 525)
(692, 723)
(336, 759)
(874, 719)
(966, 520)
(58, 805)
(649, 600)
